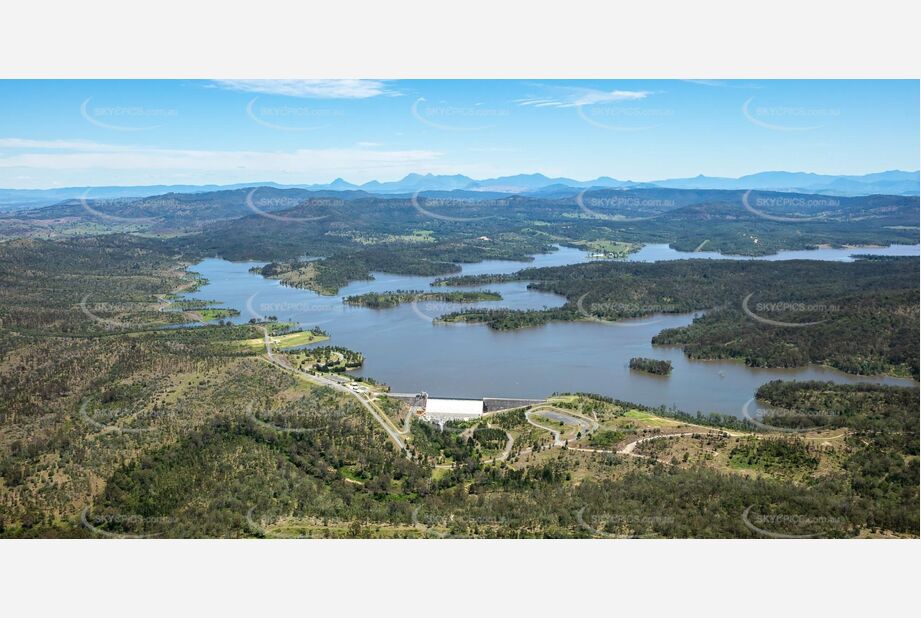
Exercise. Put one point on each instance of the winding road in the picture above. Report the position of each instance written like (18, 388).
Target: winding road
(377, 414)
(564, 416)
(506, 451)
(586, 423)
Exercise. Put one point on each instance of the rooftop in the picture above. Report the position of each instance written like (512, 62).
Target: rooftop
(454, 407)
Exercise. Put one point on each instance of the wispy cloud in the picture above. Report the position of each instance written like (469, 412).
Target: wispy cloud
(309, 88)
(721, 83)
(18, 143)
(715, 83)
(578, 97)
(78, 162)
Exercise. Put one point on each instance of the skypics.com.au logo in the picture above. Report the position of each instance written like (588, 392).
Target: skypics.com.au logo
(446, 117)
(788, 117)
(423, 205)
(757, 311)
(820, 205)
(632, 312)
(771, 523)
(622, 208)
(125, 118)
(292, 117)
(265, 206)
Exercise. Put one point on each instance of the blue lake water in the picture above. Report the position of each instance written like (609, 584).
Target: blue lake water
(405, 349)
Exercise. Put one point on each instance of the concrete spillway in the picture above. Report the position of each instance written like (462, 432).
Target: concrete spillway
(494, 404)
(465, 407)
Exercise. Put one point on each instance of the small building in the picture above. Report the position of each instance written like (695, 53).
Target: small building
(453, 409)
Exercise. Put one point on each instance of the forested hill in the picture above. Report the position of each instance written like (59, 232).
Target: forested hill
(423, 235)
(861, 317)
(730, 221)
(268, 223)
(112, 425)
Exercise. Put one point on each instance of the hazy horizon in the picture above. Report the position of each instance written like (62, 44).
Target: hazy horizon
(409, 174)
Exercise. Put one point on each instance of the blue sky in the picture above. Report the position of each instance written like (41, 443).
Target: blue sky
(75, 133)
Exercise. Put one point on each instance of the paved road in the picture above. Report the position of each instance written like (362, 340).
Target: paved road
(554, 432)
(591, 424)
(409, 416)
(369, 406)
(564, 416)
(506, 451)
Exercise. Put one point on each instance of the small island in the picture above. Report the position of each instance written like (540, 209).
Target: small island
(608, 249)
(387, 300)
(651, 365)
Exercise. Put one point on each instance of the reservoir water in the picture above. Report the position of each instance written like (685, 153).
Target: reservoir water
(405, 349)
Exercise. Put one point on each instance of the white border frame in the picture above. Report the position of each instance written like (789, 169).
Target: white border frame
(477, 38)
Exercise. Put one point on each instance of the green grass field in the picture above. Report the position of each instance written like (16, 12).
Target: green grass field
(216, 314)
(289, 340)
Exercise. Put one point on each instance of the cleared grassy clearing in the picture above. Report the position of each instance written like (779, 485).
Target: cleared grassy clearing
(288, 340)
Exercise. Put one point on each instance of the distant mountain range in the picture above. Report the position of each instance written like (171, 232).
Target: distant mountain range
(894, 182)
